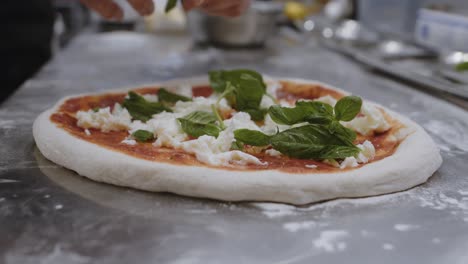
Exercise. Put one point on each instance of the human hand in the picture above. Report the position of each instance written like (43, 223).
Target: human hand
(111, 10)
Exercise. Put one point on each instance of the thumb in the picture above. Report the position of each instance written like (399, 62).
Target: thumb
(191, 4)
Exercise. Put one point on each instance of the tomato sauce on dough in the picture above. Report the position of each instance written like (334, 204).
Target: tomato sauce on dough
(384, 143)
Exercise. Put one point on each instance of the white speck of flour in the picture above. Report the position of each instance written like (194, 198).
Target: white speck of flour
(329, 240)
(273, 210)
(405, 227)
(388, 246)
(58, 206)
(296, 226)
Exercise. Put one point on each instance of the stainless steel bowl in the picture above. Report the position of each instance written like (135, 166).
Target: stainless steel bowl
(250, 29)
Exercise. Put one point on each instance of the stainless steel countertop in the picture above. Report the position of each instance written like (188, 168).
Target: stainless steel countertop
(50, 215)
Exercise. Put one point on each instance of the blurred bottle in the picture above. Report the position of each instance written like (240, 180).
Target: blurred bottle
(394, 16)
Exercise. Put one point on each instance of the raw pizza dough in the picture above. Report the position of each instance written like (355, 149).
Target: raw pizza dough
(414, 161)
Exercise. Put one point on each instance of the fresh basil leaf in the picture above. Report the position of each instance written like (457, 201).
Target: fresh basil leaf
(199, 123)
(96, 109)
(251, 137)
(170, 5)
(237, 145)
(312, 112)
(249, 93)
(243, 89)
(143, 135)
(141, 109)
(217, 81)
(165, 96)
(347, 135)
(347, 108)
(339, 152)
(317, 108)
(286, 115)
(256, 114)
(307, 142)
(463, 66)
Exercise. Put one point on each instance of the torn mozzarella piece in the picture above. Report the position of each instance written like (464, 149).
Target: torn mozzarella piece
(327, 99)
(104, 119)
(311, 166)
(167, 130)
(216, 151)
(151, 97)
(349, 162)
(366, 154)
(273, 153)
(129, 141)
(270, 127)
(199, 104)
(373, 120)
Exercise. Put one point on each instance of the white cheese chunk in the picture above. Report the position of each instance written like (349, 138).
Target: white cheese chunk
(273, 153)
(151, 97)
(366, 154)
(349, 162)
(373, 120)
(327, 99)
(216, 151)
(311, 166)
(270, 127)
(199, 104)
(104, 119)
(167, 130)
(87, 132)
(129, 141)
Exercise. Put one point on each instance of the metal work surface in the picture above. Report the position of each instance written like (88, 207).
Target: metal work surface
(51, 215)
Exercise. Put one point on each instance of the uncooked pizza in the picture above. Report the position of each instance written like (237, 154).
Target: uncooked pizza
(238, 136)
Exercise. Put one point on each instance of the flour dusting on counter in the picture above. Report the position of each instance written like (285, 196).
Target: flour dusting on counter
(331, 240)
(405, 227)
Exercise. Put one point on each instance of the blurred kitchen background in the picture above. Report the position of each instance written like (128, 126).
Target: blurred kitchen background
(424, 42)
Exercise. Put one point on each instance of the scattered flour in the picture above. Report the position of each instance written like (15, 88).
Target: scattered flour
(47, 196)
(274, 210)
(405, 227)
(436, 240)
(388, 246)
(2, 199)
(329, 240)
(296, 226)
(58, 206)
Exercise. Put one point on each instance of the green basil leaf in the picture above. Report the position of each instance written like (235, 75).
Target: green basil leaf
(141, 109)
(256, 114)
(165, 96)
(463, 66)
(287, 115)
(217, 81)
(345, 134)
(170, 5)
(308, 142)
(339, 152)
(312, 112)
(347, 108)
(237, 145)
(251, 137)
(243, 89)
(317, 108)
(199, 123)
(143, 135)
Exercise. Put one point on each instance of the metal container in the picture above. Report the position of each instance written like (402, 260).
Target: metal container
(251, 29)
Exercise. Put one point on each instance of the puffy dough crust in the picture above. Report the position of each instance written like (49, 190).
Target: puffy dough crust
(415, 160)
